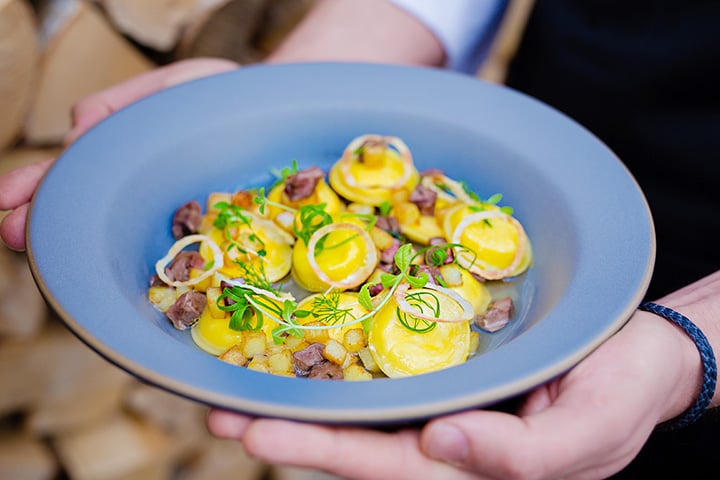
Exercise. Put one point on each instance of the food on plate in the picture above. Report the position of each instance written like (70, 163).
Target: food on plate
(374, 169)
(380, 271)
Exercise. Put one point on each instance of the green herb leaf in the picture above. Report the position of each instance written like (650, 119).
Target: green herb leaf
(327, 310)
(288, 308)
(474, 196)
(364, 297)
(494, 199)
(388, 279)
(404, 256)
(418, 281)
(261, 199)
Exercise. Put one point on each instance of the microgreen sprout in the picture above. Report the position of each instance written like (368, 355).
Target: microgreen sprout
(242, 311)
(329, 313)
(262, 200)
(282, 174)
(482, 205)
(231, 216)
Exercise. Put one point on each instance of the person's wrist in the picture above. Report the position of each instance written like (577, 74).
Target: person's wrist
(695, 391)
(676, 359)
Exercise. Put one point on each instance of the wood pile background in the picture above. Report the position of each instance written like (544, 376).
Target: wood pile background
(65, 413)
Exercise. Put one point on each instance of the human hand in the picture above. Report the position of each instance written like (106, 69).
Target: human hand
(587, 424)
(18, 186)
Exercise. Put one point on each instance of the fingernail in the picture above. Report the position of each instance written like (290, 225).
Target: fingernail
(447, 443)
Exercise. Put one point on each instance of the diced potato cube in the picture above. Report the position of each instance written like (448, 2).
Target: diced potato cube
(400, 195)
(316, 335)
(452, 275)
(349, 360)
(216, 197)
(361, 208)
(285, 221)
(254, 344)
(295, 344)
(356, 372)
(368, 361)
(203, 284)
(354, 339)
(281, 362)
(259, 363)
(234, 355)
(381, 238)
(272, 349)
(243, 198)
(206, 224)
(474, 342)
(335, 352)
(407, 213)
(162, 297)
(213, 293)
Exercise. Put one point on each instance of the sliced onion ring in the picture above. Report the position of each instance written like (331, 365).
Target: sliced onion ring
(361, 274)
(177, 247)
(260, 291)
(490, 274)
(349, 156)
(458, 192)
(467, 314)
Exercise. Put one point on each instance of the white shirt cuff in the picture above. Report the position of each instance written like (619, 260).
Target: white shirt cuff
(466, 28)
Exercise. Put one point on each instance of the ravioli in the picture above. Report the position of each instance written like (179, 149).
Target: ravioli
(391, 268)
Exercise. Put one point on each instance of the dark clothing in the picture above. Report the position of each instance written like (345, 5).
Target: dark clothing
(644, 76)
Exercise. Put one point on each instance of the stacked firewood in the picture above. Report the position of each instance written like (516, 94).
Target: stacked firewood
(54, 52)
(66, 413)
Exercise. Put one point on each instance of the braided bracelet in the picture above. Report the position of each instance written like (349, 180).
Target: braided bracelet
(693, 413)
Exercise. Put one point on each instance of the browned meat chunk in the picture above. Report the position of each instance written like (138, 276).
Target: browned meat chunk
(388, 223)
(179, 268)
(186, 219)
(326, 371)
(304, 360)
(433, 273)
(388, 255)
(302, 184)
(186, 309)
(497, 316)
(424, 198)
(375, 288)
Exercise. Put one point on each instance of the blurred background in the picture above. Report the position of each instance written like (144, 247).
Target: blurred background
(65, 413)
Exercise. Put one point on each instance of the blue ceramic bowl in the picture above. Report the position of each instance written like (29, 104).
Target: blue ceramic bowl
(101, 219)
